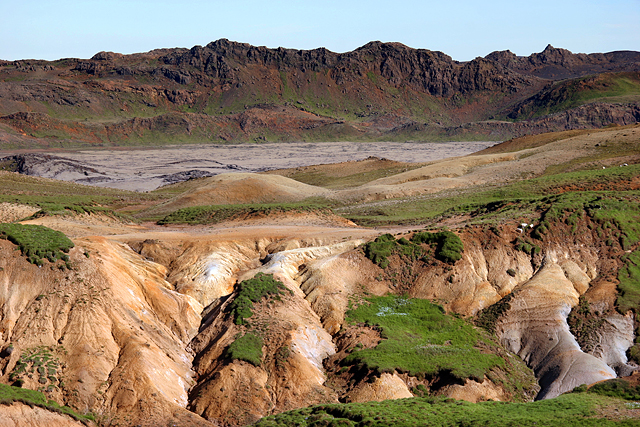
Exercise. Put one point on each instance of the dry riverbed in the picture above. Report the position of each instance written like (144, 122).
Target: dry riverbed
(145, 169)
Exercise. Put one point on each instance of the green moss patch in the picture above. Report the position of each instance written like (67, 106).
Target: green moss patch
(52, 209)
(248, 347)
(449, 246)
(253, 290)
(38, 242)
(381, 249)
(214, 214)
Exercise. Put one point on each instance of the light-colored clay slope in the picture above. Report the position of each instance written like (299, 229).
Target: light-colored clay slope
(242, 188)
(535, 328)
(459, 172)
(20, 415)
(484, 169)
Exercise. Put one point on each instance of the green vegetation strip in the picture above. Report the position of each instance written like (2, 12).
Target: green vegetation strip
(9, 395)
(218, 213)
(37, 242)
(490, 205)
(50, 209)
(568, 410)
(420, 339)
(30, 190)
(383, 246)
(248, 347)
(617, 387)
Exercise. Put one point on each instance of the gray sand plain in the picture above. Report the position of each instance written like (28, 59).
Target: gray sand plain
(145, 169)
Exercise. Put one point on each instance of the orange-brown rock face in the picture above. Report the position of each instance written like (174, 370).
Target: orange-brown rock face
(117, 330)
(144, 336)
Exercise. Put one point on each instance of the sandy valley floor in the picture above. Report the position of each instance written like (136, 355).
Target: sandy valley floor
(150, 168)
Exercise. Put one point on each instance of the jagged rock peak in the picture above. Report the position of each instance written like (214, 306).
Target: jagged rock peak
(106, 56)
(502, 57)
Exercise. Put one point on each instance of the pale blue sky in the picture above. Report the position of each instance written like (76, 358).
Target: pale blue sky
(463, 29)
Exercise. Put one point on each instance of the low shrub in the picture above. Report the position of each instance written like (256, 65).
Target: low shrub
(380, 249)
(488, 317)
(449, 246)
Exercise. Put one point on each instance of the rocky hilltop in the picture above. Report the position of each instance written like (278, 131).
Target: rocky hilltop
(228, 91)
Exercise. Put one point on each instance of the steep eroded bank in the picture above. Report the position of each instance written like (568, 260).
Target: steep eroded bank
(146, 331)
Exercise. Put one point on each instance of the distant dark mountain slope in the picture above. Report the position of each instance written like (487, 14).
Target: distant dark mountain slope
(228, 91)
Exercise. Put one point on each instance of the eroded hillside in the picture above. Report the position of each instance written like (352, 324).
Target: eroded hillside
(227, 314)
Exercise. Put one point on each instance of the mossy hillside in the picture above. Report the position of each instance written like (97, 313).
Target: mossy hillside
(419, 339)
(38, 242)
(218, 213)
(582, 409)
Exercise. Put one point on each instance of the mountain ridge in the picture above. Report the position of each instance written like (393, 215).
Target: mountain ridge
(371, 93)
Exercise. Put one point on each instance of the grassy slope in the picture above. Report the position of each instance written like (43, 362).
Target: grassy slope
(55, 195)
(418, 338)
(576, 409)
(9, 394)
(606, 87)
(524, 194)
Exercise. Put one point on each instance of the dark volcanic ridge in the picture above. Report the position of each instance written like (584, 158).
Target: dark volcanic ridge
(234, 92)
